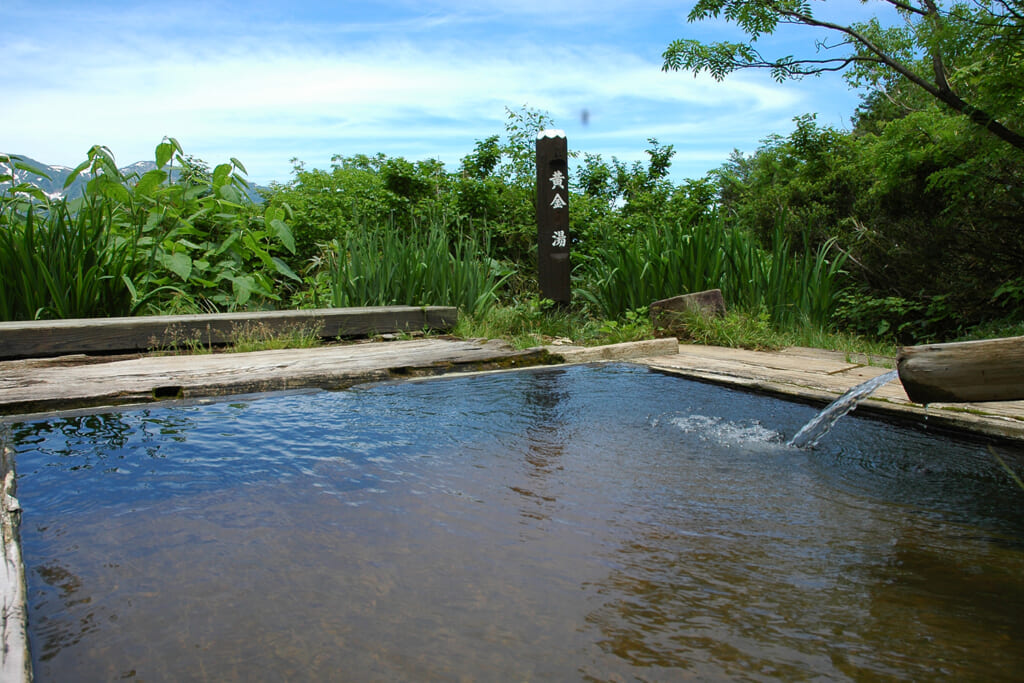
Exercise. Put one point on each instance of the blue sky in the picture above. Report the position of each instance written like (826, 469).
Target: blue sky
(269, 81)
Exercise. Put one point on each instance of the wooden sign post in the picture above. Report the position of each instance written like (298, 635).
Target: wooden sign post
(553, 216)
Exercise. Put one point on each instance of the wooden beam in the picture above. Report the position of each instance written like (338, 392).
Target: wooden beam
(40, 338)
(962, 372)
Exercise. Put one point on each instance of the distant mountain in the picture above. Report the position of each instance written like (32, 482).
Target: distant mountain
(58, 175)
(53, 186)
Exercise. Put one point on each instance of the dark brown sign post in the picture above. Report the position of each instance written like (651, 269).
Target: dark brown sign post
(553, 216)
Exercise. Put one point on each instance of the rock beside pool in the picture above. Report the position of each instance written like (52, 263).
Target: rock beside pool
(667, 314)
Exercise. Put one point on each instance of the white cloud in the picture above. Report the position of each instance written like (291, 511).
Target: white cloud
(264, 101)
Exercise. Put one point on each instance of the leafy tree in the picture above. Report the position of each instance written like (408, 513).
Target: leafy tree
(967, 55)
(485, 158)
(194, 171)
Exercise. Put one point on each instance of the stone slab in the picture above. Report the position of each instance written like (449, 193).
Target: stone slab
(611, 352)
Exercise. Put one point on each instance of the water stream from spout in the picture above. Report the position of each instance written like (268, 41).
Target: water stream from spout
(811, 433)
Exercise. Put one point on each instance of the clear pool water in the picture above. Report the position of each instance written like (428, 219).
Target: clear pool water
(581, 523)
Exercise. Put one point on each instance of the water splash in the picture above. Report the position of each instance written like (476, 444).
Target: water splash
(725, 433)
(811, 433)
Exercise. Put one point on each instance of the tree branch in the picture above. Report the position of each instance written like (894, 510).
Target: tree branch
(762, 17)
(905, 7)
(940, 90)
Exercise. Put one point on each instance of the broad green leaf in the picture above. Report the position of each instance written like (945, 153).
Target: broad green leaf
(226, 244)
(283, 268)
(149, 182)
(231, 194)
(194, 192)
(178, 263)
(220, 175)
(164, 153)
(32, 191)
(75, 172)
(20, 164)
(242, 287)
(283, 233)
(103, 161)
(252, 245)
(111, 189)
(189, 244)
(131, 287)
(273, 213)
(155, 218)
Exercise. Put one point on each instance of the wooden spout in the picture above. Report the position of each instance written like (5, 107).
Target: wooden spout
(964, 372)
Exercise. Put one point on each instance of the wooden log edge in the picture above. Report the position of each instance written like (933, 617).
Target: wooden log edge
(963, 372)
(42, 338)
(15, 659)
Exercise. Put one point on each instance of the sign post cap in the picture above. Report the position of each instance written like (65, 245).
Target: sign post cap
(551, 133)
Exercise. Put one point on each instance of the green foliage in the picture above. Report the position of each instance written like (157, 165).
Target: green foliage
(524, 323)
(13, 192)
(968, 56)
(519, 165)
(533, 322)
(925, 205)
(55, 264)
(494, 189)
(806, 183)
(135, 243)
(676, 259)
(260, 337)
(905, 229)
(633, 326)
(736, 329)
(740, 328)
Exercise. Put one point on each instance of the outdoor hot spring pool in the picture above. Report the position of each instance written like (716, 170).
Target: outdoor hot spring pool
(590, 522)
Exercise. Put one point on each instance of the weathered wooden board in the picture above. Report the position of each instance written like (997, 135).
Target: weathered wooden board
(821, 376)
(40, 338)
(35, 385)
(810, 376)
(962, 372)
(15, 660)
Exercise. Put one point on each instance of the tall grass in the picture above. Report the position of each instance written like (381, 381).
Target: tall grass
(677, 259)
(662, 261)
(59, 264)
(392, 267)
(794, 290)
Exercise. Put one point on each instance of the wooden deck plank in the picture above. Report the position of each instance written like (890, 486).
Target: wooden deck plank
(28, 386)
(820, 377)
(39, 338)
